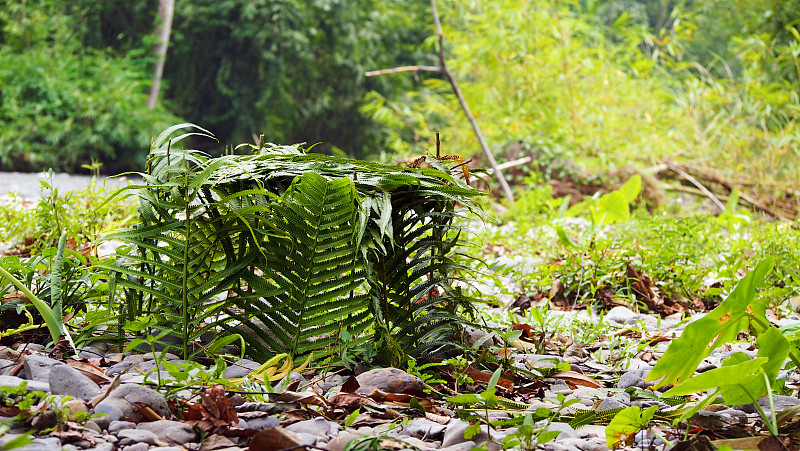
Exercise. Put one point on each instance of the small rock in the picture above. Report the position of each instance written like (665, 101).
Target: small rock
(66, 380)
(454, 434)
(634, 378)
(131, 436)
(114, 409)
(93, 426)
(170, 431)
(621, 315)
(38, 367)
(591, 430)
(328, 383)
(390, 380)
(137, 447)
(136, 393)
(262, 422)
(117, 426)
(13, 381)
(241, 368)
(74, 407)
(466, 446)
(566, 431)
(424, 428)
(340, 441)
(317, 426)
(781, 403)
(477, 338)
(103, 422)
(44, 420)
(6, 366)
(307, 439)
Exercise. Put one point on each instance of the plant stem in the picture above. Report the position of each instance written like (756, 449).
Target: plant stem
(54, 325)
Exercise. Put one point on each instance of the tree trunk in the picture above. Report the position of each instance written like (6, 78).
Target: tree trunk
(166, 9)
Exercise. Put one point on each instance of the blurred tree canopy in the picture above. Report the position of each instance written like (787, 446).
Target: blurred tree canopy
(75, 74)
(611, 80)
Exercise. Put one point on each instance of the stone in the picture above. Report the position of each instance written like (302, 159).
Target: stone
(465, 446)
(390, 380)
(44, 420)
(477, 338)
(340, 441)
(117, 426)
(307, 439)
(262, 422)
(424, 428)
(634, 378)
(137, 447)
(317, 426)
(114, 409)
(131, 436)
(241, 368)
(781, 403)
(37, 367)
(454, 434)
(136, 393)
(14, 381)
(566, 431)
(101, 421)
(325, 385)
(170, 431)
(75, 406)
(621, 315)
(168, 448)
(66, 380)
(6, 366)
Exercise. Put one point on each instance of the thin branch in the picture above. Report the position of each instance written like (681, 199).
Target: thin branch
(452, 79)
(699, 185)
(394, 70)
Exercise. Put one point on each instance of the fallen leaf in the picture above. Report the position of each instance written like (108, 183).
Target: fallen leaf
(350, 401)
(275, 439)
(574, 378)
(145, 412)
(89, 370)
(214, 442)
(350, 386)
(309, 398)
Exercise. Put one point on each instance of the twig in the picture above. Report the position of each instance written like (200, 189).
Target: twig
(699, 185)
(394, 70)
(452, 79)
(518, 162)
(743, 196)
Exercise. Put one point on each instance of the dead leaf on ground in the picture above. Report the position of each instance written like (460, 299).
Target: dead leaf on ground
(89, 370)
(213, 442)
(145, 412)
(309, 398)
(275, 439)
(350, 401)
(574, 378)
(217, 404)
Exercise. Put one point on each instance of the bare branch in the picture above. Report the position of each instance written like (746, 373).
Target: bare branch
(394, 70)
(452, 79)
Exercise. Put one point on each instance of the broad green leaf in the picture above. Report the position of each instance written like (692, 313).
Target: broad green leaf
(626, 423)
(740, 379)
(631, 189)
(720, 326)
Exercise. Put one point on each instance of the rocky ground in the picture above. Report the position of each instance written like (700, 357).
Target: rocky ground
(311, 411)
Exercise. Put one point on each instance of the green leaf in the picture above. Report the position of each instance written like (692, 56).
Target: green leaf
(720, 326)
(626, 424)
(740, 379)
(351, 418)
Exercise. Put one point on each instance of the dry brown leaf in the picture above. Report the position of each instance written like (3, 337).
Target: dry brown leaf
(89, 370)
(145, 412)
(350, 401)
(275, 439)
(309, 398)
(574, 378)
(214, 442)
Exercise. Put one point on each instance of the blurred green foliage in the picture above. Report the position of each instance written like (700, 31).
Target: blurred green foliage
(75, 76)
(602, 83)
(63, 103)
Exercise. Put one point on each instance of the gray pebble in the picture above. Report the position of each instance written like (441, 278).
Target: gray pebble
(131, 436)
(14, 381)
(317, 426)
(170, 431)
(66, 380)
(117, 426)
(634, 378)
(137, 447)
(37, 367)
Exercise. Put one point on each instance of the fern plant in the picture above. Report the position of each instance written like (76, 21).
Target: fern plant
(294, 248)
